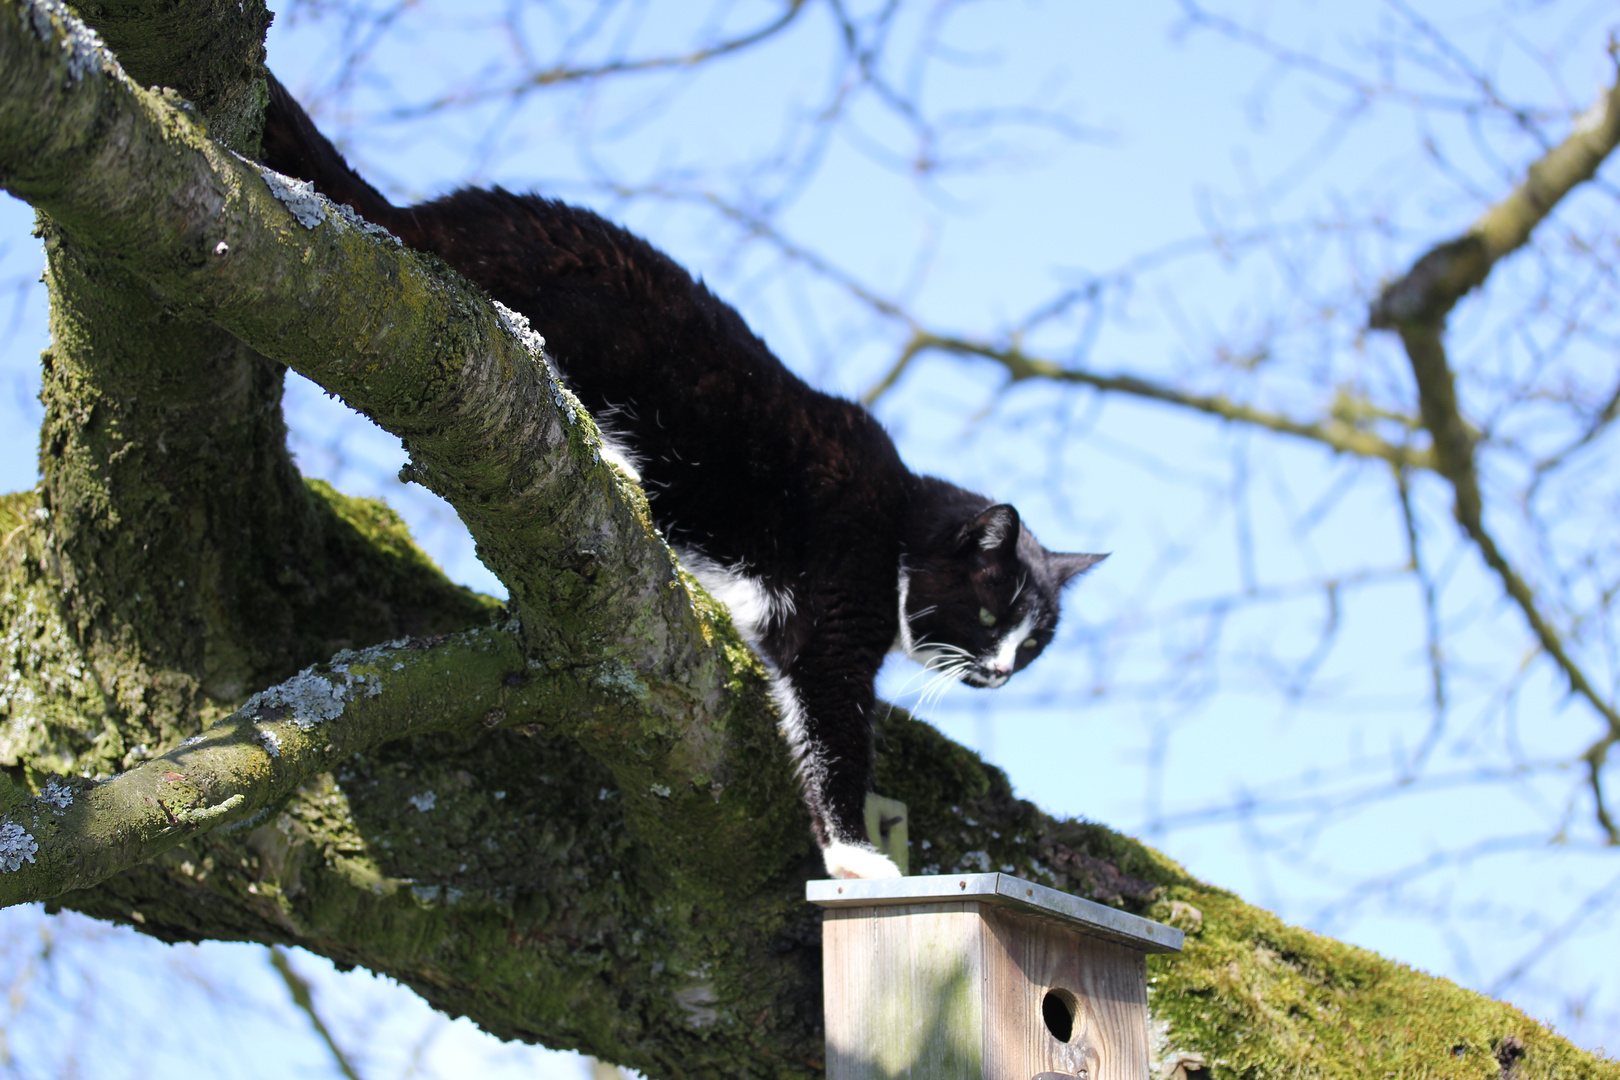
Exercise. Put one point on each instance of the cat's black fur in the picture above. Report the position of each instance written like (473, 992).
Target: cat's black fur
(790, 505)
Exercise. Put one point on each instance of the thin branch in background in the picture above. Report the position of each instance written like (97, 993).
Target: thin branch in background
(1389, 884)
(1196, 16)
(1327, 797)
(1333, 433)
(1598, 900)
(1459, 61)
(1596, 757)
(1431, 630)
(565, 73)
(298, 989)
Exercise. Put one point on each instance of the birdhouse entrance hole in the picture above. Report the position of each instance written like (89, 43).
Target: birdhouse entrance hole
(1059, 1008)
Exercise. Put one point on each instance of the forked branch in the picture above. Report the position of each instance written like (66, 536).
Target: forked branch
(1417, 305)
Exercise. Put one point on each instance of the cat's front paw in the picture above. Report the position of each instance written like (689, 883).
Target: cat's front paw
(858, 861)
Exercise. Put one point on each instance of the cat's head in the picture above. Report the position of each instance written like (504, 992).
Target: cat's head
(981, 600)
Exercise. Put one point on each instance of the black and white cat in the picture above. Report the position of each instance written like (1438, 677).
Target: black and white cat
(791, 507)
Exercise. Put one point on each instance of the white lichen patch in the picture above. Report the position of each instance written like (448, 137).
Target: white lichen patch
(272, 745)
(437, 894)
(423, 802)
(613, 675)
(310, 208)
(698, 1001)
(57, 796)
(370, 228)
(82, 47)
(517, 324)
(16, 847)
(566, 402)
(660, 790)
(311, 698)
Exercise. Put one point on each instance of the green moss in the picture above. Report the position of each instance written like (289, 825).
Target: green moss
(53, 716)
(213, 57)
(16, 509)
(1258, 998)
(394, 587)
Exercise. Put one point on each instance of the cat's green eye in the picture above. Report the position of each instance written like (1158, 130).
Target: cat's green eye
(985, 618)
(1030, 643)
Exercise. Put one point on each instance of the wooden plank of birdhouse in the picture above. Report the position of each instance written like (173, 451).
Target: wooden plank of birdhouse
(904, 992)
(1061, 1002)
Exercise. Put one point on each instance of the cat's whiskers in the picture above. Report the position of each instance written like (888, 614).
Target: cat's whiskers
(951, 652)
(943, 665)
(949, 663)
(929, 692)
(922, 672)
(947, 677)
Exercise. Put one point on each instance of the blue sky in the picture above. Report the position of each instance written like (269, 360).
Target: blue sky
(1298, 799)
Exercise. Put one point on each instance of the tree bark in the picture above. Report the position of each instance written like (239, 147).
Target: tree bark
(572, 821)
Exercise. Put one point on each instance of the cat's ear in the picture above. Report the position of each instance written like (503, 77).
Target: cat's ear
(993, 529)
(1069, 565)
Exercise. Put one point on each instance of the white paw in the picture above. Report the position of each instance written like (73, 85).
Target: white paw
(852, 861)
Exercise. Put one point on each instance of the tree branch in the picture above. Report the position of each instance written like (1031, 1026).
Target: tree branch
(565, 73)
(427, 356)
(1336, 434)
(298, 988)
(1428, 291)
(77, 834)
(1417, 307)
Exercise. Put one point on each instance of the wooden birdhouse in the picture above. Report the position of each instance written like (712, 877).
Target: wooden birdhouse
(982, 977)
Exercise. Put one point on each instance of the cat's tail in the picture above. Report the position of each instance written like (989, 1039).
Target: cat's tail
(293, 146)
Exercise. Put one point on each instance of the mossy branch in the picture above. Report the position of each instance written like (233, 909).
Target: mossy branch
(395, 334)
(78, 833)
(399, 337)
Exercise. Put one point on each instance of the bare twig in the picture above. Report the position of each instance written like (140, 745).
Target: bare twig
(1335, 433)
(566, 73)
(298, 988)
